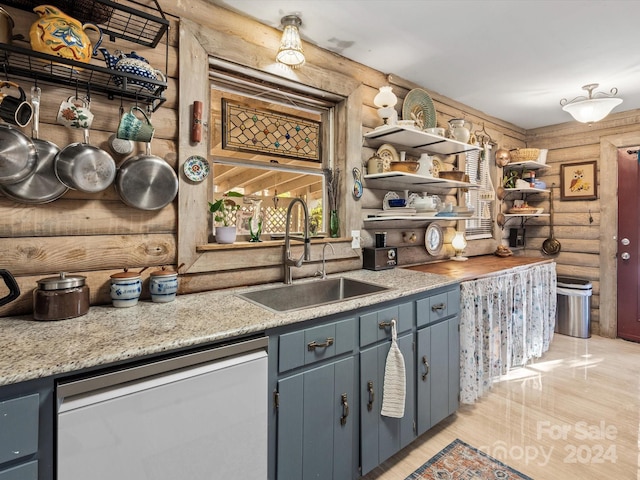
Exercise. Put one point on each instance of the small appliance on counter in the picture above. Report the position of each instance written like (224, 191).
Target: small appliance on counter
(381, 258)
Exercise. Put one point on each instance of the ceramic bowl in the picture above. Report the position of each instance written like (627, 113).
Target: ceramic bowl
(397, 202)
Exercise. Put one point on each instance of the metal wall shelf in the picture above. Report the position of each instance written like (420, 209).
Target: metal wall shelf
(144, 24)
(130, 20)
(26, 63)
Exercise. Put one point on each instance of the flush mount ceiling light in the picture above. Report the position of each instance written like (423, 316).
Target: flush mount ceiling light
(592, 108)
(290, 52)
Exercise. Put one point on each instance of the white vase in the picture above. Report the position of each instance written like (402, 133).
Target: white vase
(225, 234)
(426, 165)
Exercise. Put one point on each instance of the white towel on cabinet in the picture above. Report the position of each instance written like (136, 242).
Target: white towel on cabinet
(394, 389)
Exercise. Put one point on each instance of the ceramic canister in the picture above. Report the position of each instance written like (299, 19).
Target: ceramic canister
(125, 288)
(163, 285)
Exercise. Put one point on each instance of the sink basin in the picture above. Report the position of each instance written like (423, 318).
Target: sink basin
(310, 294)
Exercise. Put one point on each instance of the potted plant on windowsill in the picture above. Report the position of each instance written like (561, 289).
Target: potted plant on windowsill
(224, 211)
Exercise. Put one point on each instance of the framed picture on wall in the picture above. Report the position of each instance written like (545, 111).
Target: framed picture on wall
(578, 181)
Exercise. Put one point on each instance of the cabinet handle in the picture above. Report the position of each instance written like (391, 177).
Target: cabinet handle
(426, 368)
(438, 307)
(371, 395)
(383, 325)
(345, 409)
(311, 346)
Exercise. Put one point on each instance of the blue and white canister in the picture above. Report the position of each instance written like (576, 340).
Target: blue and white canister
(126, 288)
(163, 285)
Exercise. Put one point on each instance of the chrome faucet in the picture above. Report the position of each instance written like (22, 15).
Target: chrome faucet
(289, 262)
(323, 272)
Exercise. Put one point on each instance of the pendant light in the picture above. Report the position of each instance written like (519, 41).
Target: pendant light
(592, 108)
(290, 52)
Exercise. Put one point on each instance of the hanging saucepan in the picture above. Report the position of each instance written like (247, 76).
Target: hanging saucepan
(146, 181)
(43, 186)
(18, 155)
(551, 246)
(83, 167)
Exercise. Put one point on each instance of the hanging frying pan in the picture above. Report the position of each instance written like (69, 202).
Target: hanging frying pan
(18, 155)
(86, 168)
(551, 246)
(43, 186)
(146, 181)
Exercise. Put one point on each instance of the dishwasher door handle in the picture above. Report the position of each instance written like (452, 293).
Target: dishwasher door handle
(132, 374)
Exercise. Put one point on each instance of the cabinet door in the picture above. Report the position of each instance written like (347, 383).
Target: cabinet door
(438, 373)
(313, 442)
(382, 436)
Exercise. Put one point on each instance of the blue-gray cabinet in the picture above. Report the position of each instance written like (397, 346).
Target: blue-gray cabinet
(380, 436)
(26, 430)
(326, 378)
(315, 402)
(438, 357)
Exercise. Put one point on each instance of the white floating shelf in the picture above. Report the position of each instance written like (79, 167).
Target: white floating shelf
(411, 180)
(407, 137)
(527, 190)
(529, 165)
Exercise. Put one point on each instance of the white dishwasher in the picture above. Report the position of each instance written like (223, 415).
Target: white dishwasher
(200, 416)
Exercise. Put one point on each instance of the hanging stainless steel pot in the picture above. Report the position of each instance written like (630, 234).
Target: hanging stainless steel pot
(146, 182)
(6, 26)
(83, 167)
(43, 185)
(18, 155)
(12, 285)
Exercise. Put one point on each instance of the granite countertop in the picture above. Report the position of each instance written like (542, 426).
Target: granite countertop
(31, 349)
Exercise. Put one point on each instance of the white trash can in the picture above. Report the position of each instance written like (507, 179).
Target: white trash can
(573, 311)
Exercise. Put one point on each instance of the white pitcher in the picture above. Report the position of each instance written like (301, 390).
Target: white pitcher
(458, 129)
(425, 165)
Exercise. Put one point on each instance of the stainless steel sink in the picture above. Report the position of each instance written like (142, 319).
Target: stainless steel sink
(310, 294)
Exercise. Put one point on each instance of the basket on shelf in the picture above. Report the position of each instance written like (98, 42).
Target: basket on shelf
(525, 154)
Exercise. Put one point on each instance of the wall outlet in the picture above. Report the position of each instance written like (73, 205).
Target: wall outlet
(355, 238)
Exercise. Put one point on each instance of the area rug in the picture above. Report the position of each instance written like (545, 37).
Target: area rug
(459, 460)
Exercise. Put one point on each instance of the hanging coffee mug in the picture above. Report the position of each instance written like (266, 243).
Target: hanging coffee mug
(15, 110)
(133, 128)
(74, 113)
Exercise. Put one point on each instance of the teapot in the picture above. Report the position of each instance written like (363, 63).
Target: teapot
(458, 129)
(134, 64)
(426, 202)
(56, 33)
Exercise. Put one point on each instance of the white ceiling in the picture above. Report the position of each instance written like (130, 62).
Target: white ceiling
(512, 59)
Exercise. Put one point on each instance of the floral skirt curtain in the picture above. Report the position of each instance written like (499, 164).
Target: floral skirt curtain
(505, 321)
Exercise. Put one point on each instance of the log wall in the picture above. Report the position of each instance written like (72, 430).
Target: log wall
(97, 235)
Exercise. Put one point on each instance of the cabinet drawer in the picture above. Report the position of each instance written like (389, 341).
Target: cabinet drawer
(28, 471)
(316, 343)
(376, 326)
(18, 427)
(437, 307)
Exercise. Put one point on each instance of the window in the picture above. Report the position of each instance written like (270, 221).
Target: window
(251, 149)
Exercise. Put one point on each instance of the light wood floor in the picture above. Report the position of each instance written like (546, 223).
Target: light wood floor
(574, 413)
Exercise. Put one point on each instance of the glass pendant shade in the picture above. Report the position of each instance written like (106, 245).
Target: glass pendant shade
(385, 97)
(290, 52)
(593, 109)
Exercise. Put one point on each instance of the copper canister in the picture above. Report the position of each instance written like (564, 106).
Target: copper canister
(61, 297)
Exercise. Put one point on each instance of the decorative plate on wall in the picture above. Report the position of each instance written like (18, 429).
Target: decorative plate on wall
(418, 106)
(433, 239)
